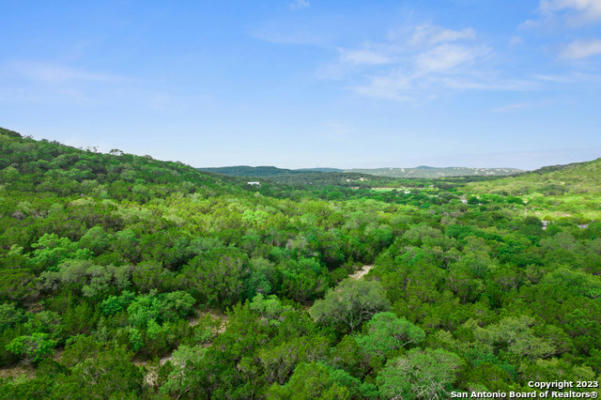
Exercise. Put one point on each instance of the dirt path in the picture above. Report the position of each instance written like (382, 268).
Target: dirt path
(361, 272)
(18, 372)
(151, 376)
(222, 318)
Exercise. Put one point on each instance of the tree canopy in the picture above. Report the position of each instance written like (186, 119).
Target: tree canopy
(127, 277)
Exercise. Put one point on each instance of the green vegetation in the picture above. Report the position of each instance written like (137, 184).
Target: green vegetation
(127, 277)
(264, 171)
(284, 175)
(433, 172)
(561, 192)
(554, 180)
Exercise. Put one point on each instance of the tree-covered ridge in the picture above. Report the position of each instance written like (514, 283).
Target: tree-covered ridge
(263, 171)
(281, 174)
(192, 286)
(43, 166)
(553, 180)
(562, 192)
(434, 172)
(305, 176)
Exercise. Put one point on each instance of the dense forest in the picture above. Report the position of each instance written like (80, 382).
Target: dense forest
(264, 171)
(124, 277)
(418, 172)
(434, 172)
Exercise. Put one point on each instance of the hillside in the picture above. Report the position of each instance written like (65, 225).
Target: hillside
(127, 277)
(583, 177)
(418, 172)
(433, 172)
(42, 166)
(247, 171)
(264, 171)
(304, 176)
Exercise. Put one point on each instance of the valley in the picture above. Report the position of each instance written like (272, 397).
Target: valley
(125, 274)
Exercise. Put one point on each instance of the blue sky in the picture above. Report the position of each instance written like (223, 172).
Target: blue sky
(305, 83)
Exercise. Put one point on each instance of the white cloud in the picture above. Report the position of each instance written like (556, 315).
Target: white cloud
(512, 107)
(444, 58)
(418, 64)
(554, 78)
(572, 13)
(488, 82)
(582, 49)
(56, 73)
(431, 34)
(299, 4)
(392, 86)
(364, 56)
(583, 10)
(570, 78)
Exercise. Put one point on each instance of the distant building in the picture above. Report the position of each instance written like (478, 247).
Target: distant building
(253, 183)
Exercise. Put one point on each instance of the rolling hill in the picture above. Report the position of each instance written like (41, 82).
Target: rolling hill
(433, 172)
(123, 274)
(248, 171)
(418, 172)
(582, 177)
(304, 176)
(48, 166)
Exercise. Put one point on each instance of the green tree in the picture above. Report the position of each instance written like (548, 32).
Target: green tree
(310, 381)
(95, 239)
(217, 277)
(350, 304)
(181, 379)
(386, 332)
(421, 374)
(32, 348)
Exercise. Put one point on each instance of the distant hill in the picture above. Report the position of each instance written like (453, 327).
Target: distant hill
(418, 172)
(245, 170)
(333, 178)
(320, 170)
(433, 172)
(28, 165)
(579, 177)
(304, 176)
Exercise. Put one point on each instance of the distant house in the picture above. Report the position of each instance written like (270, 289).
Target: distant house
(253, 183)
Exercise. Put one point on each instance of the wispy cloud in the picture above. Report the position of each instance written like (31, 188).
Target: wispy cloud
(364, 56)
(554, 78)
(570, 78)
(391, 86)
(565, 12)
(56, 73)
(576, 10)
(417, 64)
(53, 82)
(432, 34)
(512, 107)
(299, 4)
(582, 49)
(446, 57)
(489, 81)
